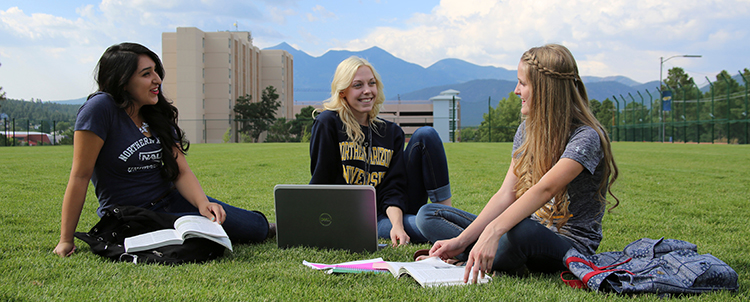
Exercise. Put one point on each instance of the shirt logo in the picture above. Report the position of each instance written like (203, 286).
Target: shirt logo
(150, 156)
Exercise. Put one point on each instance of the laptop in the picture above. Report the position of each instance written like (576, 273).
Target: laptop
(326, 216)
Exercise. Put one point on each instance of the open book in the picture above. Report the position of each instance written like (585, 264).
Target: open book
(189, 226)
(431, 272)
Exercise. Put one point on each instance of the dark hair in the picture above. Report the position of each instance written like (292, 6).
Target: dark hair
(113, 72)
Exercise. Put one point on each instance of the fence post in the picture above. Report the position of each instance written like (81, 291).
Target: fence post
(673, 109)
(745, 113)
(489, 115)
(713, 122)
(728, 105)
(650, 117)
(617, 117)
(643, 116)
(697, 114)
(625, 112)
(632, 114)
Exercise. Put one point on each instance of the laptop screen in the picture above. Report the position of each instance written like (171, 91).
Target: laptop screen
(326, 216)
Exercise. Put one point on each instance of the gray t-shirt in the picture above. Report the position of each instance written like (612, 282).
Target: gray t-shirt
(584, 228)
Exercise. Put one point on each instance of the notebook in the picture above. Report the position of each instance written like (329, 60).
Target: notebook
(326, 216)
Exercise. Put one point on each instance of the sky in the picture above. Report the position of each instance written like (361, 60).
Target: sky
(49, 48)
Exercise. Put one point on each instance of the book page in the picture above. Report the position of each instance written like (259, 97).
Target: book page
(432, 272)
(152, 240)
(199, 224)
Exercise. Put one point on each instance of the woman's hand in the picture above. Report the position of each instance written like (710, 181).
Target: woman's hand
(64, 249)
(213, 211)
(399, 236)
(482, 256)
(446, 249)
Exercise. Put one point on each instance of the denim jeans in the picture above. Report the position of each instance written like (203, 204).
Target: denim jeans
(410, 226)
(241, 225)
(529, 244)
(426, 169)
(426, 176)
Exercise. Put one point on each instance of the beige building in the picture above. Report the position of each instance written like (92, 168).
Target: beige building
(207, 71)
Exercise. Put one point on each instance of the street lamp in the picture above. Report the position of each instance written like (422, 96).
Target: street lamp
(661, 86)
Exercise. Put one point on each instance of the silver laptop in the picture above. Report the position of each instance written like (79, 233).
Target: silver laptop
(326, 216)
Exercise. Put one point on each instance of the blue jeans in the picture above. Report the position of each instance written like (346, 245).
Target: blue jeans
(529, 244)
(410, 226)
(427, 177)
(426, 170)
(241, 225)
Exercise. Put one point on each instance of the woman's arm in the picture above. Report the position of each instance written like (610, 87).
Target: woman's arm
(189, 187)
(325, 156)
(556, 179)
(86, 147)
(503, 198)
(398, 234)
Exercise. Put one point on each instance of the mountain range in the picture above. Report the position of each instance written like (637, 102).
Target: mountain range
(407, 81)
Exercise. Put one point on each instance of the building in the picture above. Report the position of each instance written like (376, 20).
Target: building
(447, 115)
(442, 112)
(207, 71)
(30, 138)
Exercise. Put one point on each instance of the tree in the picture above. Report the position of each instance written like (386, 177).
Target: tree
(505, 120)
(302, 122)
(606, 113)
(257, 117)
(681, 83)
(280, 131)
(468, 134)
(293, 130)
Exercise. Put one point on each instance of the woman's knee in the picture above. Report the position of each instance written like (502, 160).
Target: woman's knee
(425, 134)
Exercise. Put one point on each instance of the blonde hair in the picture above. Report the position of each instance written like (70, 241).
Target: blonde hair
(342, 79)
(558, 105)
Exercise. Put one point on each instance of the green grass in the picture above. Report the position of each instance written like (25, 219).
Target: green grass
(698, 193)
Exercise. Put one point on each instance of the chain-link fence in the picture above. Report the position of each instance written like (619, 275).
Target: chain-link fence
(718, 118)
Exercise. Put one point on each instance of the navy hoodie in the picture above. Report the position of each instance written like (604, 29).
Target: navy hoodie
(377, 161)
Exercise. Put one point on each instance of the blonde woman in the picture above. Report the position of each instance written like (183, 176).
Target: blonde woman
(351, 145)
(553, 195)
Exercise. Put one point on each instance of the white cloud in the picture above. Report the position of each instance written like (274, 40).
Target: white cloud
(321, 13)
(600, 33)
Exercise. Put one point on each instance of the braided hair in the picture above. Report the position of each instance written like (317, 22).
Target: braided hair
(558, 105)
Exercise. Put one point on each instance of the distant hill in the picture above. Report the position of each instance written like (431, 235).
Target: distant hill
(71, 102)
(474, 95)
(408, 81)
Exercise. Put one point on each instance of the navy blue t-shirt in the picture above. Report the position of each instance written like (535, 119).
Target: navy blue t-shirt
(127, 170)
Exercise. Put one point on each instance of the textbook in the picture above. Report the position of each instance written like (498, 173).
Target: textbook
(431, 272)
(185, 227)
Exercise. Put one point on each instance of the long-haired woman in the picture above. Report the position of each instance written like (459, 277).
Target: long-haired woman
(350, 144)
(128, 144)
(553, 195)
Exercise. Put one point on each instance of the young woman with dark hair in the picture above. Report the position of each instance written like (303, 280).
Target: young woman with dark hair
(128, 144)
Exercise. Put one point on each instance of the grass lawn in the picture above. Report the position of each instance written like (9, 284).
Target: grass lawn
(698, 193)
